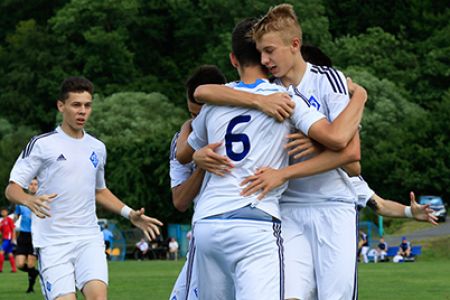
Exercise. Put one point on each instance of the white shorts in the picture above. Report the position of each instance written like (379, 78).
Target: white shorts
(320, 244)
(239, 259)
(187, 274)
(65, 267)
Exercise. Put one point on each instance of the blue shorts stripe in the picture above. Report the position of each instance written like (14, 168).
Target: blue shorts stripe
(190, 264)
(355, 281)
(41, 279)
(279, 241)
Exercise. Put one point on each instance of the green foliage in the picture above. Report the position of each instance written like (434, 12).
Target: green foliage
(12, 141)
(137, 129)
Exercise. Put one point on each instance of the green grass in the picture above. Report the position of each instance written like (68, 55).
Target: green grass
(153, 280)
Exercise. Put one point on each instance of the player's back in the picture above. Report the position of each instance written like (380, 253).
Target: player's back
(251, 140)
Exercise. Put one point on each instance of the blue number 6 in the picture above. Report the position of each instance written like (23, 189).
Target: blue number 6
(231, 138)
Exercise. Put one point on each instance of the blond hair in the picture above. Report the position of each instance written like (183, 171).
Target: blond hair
(282, 19)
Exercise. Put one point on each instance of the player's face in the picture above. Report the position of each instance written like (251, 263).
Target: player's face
(194, 108)
(4, 213)
(276, 54)
(76, 110)
(33, 187)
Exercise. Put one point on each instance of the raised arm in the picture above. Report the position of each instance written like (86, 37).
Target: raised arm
(278, 105)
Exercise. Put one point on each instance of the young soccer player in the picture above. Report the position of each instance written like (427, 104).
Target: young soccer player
(69, 165)
(25, 254)
(229, 228)
(318, 212)
(186, 179)
(8, 235)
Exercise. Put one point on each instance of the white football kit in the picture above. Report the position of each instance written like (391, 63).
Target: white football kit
(237, 238)
(73, 169)
(362, 189)
(318, 212)
(179, 173)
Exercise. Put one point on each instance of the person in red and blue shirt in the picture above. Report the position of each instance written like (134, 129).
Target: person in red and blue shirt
(8, 235)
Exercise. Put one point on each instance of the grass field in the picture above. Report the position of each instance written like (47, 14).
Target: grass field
(153, 280)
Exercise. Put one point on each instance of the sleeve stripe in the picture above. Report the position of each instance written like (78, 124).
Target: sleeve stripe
(333, 78)
(27, 151)
(173, 146)
(297, 92)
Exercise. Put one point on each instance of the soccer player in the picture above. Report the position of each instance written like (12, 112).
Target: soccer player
(25, 254)
(229, 228)
(318, 212)
(69, 165)
(186, 179)
(8, 235)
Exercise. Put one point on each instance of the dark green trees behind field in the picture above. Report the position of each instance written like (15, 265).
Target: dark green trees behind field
(140, 52)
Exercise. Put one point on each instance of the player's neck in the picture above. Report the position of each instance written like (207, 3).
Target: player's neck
(251, 74)
(295, 75)
(72, 132)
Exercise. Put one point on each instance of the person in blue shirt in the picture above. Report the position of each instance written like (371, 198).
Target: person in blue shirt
(405, 248)
(108, 238)
(25, 254)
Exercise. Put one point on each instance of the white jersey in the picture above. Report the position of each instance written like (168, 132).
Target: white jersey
(362, 189)
(251, 140)
(179, 173)
(326, 90)
(71, 168)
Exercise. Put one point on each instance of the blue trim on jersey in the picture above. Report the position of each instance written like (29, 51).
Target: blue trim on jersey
(26, 152)
(250, 85)
(303, 97)
(333, 78)
(245, 213)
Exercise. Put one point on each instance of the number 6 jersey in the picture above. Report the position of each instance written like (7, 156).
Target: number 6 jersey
(252, 140)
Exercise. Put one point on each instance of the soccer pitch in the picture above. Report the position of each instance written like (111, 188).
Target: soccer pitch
(153, 280)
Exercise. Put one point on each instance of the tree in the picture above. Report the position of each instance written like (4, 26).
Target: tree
(137, 129)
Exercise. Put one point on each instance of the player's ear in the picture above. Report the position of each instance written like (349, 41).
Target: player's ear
(234, 60)
(60, 105)
(296, 44)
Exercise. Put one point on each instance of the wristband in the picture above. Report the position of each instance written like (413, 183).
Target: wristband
(125, 212)
(408, 212)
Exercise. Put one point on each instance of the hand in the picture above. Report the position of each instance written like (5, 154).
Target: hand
(265, 179)
(148, 225)
(207, 159)
(278, 105)
(300, 145)
(39, 205)
(422, 212)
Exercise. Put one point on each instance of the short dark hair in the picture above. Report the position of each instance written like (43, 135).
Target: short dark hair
(205, 74)
(74, 84)
(315, 56)
(243, 45)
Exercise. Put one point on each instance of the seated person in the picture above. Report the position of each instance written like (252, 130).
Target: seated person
(141, 249)
(173, 249)
(381, 251)
(405, 248)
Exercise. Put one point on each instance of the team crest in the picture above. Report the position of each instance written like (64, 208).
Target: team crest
(314, 103)
(48, 286)
(94, 159)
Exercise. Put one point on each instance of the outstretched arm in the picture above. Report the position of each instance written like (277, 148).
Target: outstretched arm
(389, 208)
(148, 225)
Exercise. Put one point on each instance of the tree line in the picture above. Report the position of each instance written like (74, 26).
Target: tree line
(138, 53)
